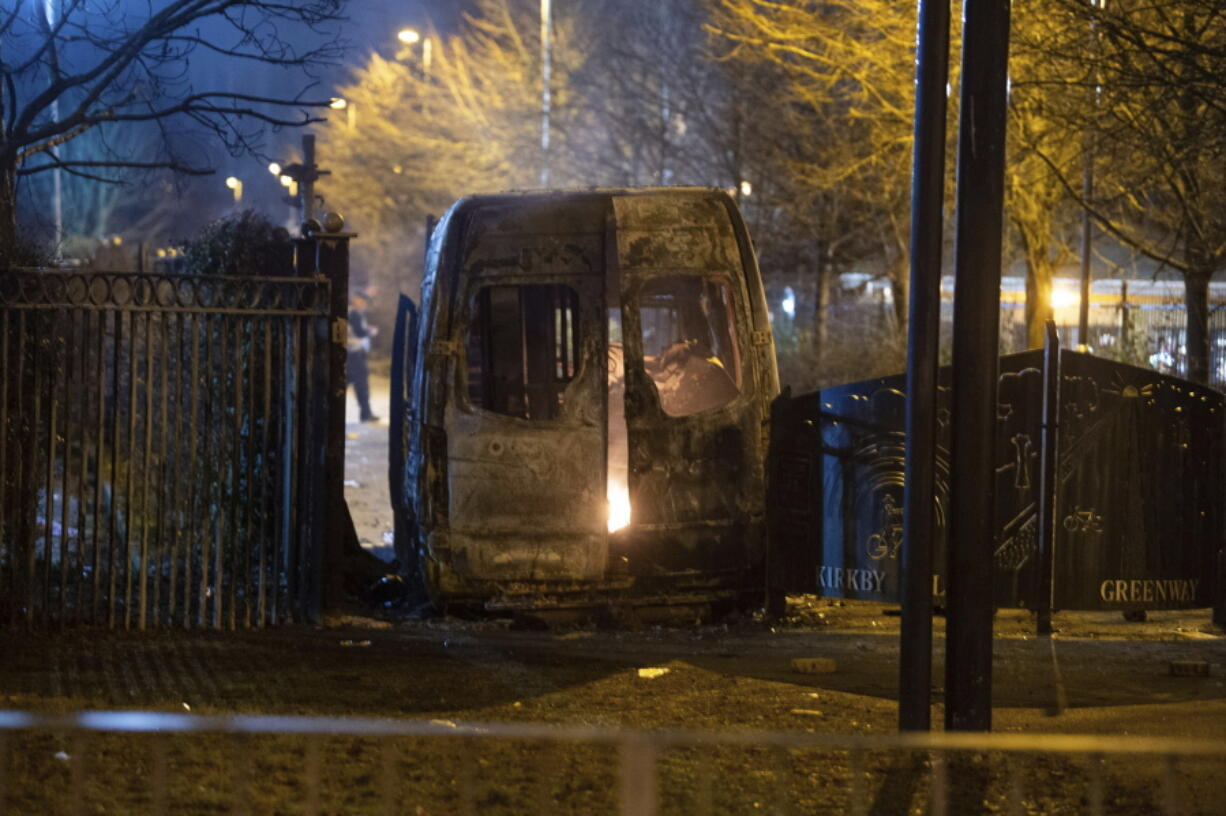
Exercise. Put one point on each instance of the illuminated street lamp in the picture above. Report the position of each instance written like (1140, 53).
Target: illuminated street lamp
(237, 186)
(410, 37)
(274, 168)
(350, 109)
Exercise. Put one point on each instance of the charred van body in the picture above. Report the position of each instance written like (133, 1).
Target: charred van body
(587, 402)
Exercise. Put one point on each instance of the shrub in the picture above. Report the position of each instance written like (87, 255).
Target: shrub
(243, 244)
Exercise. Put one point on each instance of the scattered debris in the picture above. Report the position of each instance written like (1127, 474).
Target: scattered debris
(352, 483)
(186, 707)
(355, 622)
(358, 643)
(1189, 668)
(652, 672)
(389, 591)
(1197, 634)
(62, 756)
(814, 665)
(807, 712)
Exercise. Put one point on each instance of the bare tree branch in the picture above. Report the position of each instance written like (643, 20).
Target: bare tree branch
(110, 66)
(71, 164)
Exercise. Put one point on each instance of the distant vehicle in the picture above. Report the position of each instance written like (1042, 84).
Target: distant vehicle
(580, 414)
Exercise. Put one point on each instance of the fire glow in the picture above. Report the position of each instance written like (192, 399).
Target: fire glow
(619, 505)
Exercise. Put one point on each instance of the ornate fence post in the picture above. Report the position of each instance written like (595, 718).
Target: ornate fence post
(334, 266)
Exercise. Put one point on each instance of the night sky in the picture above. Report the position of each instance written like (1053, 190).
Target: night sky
(372, 26)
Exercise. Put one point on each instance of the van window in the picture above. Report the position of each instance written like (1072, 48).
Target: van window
(523, 349)
(689, 342)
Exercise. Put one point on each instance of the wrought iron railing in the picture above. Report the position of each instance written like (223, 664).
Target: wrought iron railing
(312, 765)
(159, 451)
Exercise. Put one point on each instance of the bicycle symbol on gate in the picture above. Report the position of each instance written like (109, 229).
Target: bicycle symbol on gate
(887, 543)
(1083, 521)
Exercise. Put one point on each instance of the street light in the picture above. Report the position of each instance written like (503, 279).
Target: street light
(546, 70)
(350, 109)
(409, 37)
(237, 186)
(274, 168)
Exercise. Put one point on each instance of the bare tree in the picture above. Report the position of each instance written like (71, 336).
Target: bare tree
(92, 209)
(1038, 206)
(1147, 83)
(420, 136)
(845, 84)
(70, 67)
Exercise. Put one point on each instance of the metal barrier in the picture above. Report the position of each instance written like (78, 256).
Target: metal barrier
(160, 445)
(657, 771)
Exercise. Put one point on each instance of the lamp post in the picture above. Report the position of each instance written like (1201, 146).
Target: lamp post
(236, 185)
(546, 68)
(1087, 190)
(411, 37)
(350, 109)
(57, 185)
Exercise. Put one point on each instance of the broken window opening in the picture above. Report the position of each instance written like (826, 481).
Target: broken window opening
(523, 349)
(690, 349)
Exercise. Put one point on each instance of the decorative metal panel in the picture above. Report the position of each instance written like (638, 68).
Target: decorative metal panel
(1139, 487)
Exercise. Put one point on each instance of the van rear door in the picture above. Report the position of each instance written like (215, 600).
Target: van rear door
(526, 419)
(694, 406)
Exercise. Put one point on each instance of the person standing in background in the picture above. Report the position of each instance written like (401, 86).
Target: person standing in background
(358, 347)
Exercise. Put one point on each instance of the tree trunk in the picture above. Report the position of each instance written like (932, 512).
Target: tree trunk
(1038, 300)
(900, 283)
(1196, 302)
(8, 213)
(821, 308)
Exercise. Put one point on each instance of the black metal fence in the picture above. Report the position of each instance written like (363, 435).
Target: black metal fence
(1140, 322)
(162, 445)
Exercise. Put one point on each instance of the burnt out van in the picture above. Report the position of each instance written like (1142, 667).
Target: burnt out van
(585, 406)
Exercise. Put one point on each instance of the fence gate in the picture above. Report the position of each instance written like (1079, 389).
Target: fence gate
(162, 441)
(1137, 488)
